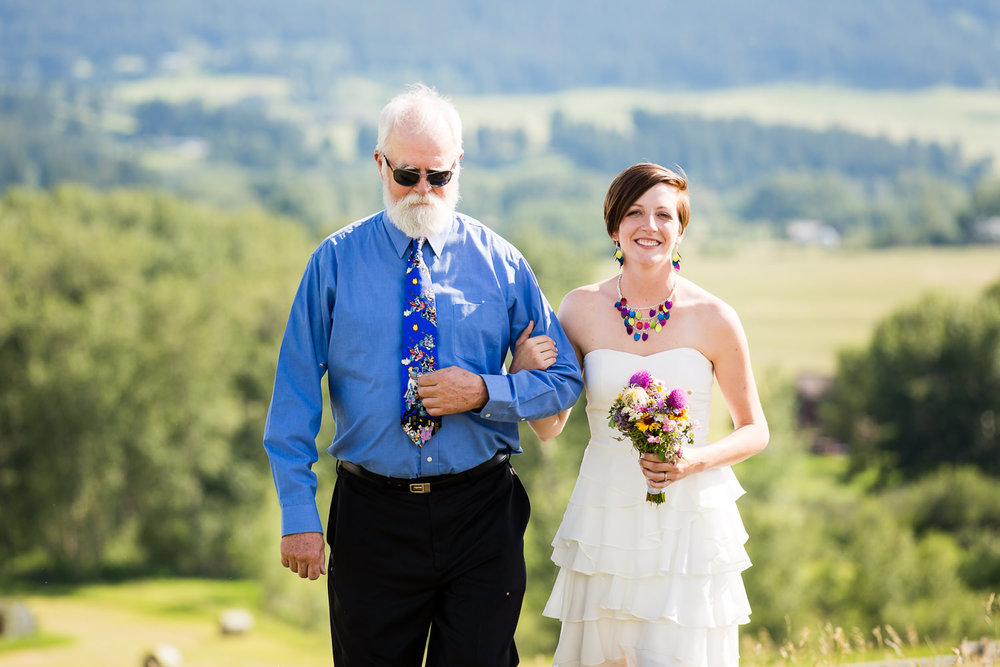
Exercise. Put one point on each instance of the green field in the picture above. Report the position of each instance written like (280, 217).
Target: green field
(119, 624)
(213, 90)
(800, 306)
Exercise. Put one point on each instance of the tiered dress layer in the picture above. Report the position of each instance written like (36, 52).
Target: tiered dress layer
(643, 585)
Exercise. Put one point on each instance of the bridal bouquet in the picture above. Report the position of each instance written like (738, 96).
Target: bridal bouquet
(654, 420)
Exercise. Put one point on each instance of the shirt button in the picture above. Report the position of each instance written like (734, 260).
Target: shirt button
(430, 458)
(487, 415)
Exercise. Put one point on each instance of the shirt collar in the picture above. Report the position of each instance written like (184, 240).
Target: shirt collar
(401, 242)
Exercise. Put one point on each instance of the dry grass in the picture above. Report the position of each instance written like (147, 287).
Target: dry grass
(883, 645)
(834, 645)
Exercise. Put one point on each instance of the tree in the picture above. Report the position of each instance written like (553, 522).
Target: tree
(926, 392)
(985, 205)
(785, 196)
(137, 351)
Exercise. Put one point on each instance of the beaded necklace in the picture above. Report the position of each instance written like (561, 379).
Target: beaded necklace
(637, 323)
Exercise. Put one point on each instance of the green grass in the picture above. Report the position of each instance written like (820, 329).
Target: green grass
(35, 642)
(116, 624)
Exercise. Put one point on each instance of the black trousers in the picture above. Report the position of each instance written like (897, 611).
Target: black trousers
(449, 563)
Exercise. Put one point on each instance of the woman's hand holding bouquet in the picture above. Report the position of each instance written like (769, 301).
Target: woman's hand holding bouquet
(654, 420)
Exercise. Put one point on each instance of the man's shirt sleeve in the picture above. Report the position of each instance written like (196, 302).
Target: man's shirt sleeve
(296, 410)
(528, 395)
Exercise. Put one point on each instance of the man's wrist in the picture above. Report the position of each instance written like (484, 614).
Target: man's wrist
(498, 396)
(484, 394)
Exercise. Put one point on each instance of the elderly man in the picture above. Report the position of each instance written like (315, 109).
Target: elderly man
(410, 314)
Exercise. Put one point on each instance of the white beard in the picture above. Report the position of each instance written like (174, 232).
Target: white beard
(419, 215)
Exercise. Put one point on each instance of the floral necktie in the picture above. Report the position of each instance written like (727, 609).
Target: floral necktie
(419, 346)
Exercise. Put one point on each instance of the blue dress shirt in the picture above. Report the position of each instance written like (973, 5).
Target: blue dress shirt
(346, 322)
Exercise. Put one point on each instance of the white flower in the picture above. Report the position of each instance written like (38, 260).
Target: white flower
(635, 396)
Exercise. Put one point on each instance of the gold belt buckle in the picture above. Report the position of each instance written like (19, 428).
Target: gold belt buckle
(425, 487)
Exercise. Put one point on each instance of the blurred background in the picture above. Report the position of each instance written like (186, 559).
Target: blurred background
(167, 167)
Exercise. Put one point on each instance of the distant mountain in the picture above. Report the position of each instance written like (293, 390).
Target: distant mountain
(513, 46)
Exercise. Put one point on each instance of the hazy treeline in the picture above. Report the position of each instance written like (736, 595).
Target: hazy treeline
(731, 153)
(512, 46)
(241, 133)
(870, 190)
(41, 146)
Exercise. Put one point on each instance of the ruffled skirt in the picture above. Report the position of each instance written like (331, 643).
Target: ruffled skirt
(648, 585)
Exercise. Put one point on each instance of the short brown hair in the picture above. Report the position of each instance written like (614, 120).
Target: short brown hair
(632, 183)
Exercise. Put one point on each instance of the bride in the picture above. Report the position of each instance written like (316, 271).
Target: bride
(642, 584)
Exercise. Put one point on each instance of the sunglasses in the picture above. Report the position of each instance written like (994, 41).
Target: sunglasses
(408, 178)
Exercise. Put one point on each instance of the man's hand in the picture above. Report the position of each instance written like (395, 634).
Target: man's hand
(448, 391)
(304, 554)
(532, 354)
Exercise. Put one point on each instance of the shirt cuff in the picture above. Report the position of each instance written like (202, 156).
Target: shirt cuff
(500, 397)
(300, 519)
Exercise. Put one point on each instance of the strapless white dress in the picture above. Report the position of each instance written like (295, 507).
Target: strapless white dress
(643, 585)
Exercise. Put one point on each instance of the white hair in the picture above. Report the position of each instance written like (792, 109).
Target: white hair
(423, 109)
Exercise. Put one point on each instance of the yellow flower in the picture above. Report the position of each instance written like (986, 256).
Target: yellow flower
(642, 426)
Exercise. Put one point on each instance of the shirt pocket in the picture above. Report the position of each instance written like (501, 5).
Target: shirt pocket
(480, 335)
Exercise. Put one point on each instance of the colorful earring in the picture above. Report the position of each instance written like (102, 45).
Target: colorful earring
(676, 260)
(619, 257)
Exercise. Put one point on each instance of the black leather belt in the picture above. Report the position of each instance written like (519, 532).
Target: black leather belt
(425, 484)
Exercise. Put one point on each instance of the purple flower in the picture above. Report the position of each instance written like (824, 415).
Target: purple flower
(640, 379)
(677, 400)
